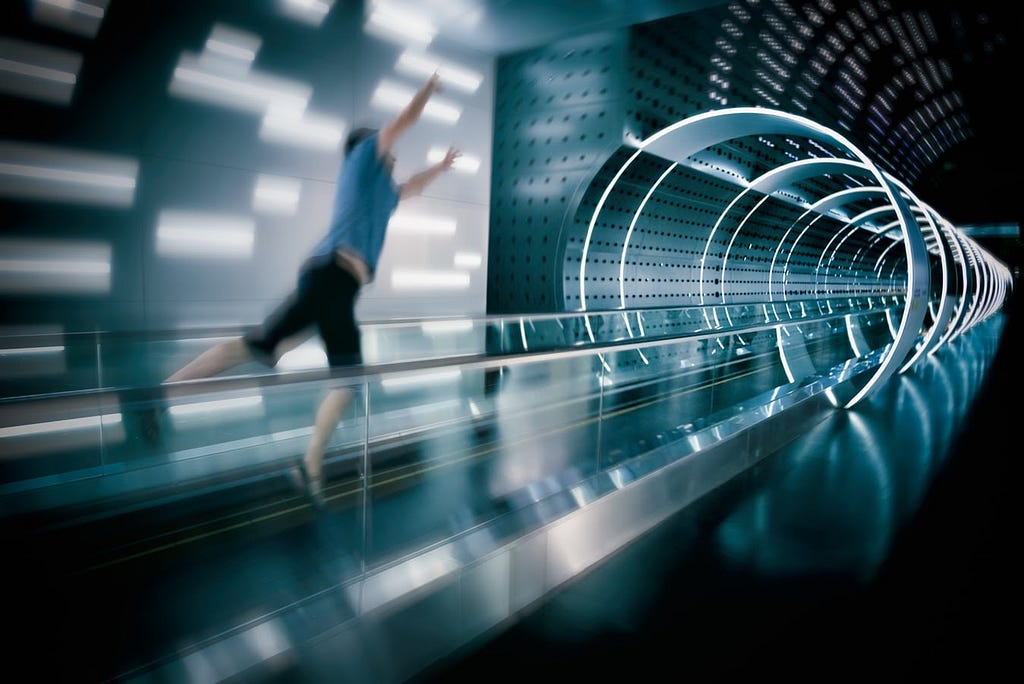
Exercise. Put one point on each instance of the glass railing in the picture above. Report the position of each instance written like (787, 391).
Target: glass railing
(42, 364)
(567, 404)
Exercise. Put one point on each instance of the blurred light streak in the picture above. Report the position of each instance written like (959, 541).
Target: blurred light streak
(31, 351)
(468, 260)
(310, 12)
(232, 45)
(410, 279)
(291, 126)
(406, 222)
(215, 406)
(987, 230)
(83, 18)
(252, 92)
(463, 163)
(191, 234)
(40, 351)
(38, 72)
(49, 266)
(57, 426)
(276, 195)
(444, 327)
(422, 65)
(390, 95)
(399, 23)
(33, 171)
(304, 357)
(421, 379)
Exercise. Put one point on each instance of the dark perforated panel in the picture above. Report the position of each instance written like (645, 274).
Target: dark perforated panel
(558, 116)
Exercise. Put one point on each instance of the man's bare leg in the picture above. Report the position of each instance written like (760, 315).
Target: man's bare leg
(227, 355)
(214, 360)
(328, 415)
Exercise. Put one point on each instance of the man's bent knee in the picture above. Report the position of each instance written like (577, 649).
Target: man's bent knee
(258, 352)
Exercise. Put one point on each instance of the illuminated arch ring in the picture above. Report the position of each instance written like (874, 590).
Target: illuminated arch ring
(689, 136)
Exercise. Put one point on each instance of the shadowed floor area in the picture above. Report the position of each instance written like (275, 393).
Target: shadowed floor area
(877, 545)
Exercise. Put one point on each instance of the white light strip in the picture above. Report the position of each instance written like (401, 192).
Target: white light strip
(68, 176)
(446, 327)
(26, 351)
(218, 405)
(83, 18)
(191, 234)
(276, 195)
(35, 171)
(409, 279)
(392, 21)
(421, 379)
(54, 266)
(252, 92)
(66, 425)
(464, 163)
(468, 260)
(311, 12)
(419, 224)
(233, 44)
(395, 97)
(422, 64)
(38, 72)
(288, 125)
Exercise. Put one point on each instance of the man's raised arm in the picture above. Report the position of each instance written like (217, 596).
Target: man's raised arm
(409, 115)
(421, 180)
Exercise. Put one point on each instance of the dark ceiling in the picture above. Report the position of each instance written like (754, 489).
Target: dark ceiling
(499, 27)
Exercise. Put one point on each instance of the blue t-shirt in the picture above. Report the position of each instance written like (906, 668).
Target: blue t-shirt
(365, 198)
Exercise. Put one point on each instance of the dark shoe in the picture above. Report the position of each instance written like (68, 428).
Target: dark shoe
(312, 487)
(144, 409)
(149, 424)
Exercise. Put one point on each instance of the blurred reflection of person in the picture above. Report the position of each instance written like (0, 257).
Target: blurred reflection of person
(329, 281)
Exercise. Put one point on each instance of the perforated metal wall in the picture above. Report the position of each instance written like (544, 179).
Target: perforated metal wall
(558, 117)
(568, 115)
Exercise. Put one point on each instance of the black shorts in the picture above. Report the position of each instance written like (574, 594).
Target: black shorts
(325, 297)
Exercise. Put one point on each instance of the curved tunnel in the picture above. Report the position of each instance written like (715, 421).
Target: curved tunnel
(752, 206)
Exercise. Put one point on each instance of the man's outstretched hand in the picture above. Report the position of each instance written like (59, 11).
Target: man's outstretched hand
(433, 84)
(449, 158)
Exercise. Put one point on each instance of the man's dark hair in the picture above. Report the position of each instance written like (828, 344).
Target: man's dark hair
(356, 137)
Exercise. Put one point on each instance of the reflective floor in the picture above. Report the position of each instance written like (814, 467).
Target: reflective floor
(879, 546)
(872, 542)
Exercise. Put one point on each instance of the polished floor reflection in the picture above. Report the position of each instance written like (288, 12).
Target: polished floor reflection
(878, 546)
